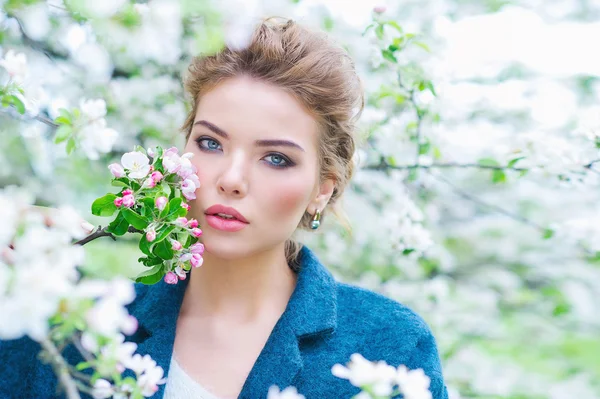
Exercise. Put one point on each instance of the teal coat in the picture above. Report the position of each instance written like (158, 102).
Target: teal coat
(324, 323)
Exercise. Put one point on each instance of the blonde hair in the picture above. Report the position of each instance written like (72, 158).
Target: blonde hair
(317, 72)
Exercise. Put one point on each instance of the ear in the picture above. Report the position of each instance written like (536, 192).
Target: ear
(324, 193)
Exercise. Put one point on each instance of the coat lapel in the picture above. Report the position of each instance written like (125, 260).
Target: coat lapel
(311, 311)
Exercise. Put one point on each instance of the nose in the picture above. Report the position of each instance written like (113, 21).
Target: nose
(233, 180)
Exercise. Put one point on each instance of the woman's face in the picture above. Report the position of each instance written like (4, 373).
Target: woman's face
(255, 148)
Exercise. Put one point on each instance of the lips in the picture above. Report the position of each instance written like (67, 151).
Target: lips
(215, 209)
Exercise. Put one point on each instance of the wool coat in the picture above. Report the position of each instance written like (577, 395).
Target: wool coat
(324, 323)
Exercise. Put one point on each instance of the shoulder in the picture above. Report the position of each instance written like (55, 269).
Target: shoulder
(381, 328)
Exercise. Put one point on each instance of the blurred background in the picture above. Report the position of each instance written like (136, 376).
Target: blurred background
(476, 201)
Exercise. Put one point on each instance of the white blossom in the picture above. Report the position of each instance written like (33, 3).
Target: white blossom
(15, 64)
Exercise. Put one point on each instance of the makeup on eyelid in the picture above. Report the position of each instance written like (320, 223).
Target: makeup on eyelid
(288, 162)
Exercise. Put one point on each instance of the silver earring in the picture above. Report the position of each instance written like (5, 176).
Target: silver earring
(316, 220)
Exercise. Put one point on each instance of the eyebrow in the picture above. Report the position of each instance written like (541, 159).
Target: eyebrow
(261, 143)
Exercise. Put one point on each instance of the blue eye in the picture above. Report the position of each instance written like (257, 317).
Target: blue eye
(279, 161)
(212, 144)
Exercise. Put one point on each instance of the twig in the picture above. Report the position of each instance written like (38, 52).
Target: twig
(101, 232)
(498, 209)
(61, 369)
(383, 165)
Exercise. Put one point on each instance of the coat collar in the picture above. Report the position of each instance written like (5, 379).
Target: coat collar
(311, 310)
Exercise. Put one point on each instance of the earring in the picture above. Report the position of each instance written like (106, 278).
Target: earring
(316, 221)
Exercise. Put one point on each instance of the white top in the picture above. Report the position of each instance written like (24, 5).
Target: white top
(181, 386)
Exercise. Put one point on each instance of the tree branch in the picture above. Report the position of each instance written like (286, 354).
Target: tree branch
(383, 165)
(498, 209)
(101, 232)
(62, 370)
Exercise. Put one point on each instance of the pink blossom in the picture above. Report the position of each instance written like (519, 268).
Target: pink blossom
(196, 232)
(196, 260)
(127, 192)
(118, 202)
(379, 9)
(176, 245)
(151, 235)
(156, 176)
(185, 257)
(192, 223)
(180, 273)
(181, 221)
(185, 206)
(171, 278)
(116, 170)
(149, 183)
(197, 248)
(150, 152)
(128, 201)
(161, 202)
(171, 161)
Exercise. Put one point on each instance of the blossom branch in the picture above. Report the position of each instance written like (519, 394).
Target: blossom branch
(383, 165)
(498, 209)
(102, 232)
(62, 370)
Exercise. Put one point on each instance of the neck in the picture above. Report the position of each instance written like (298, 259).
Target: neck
(240, 290)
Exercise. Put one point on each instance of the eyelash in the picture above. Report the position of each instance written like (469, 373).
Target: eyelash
(286, 159)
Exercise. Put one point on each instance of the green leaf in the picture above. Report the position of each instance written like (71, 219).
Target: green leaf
(423, 46)
(151, 276)
(163, 232)
(134, 219)
(144, 245)
(548, 233)
(498, 176)
(395, 25)
(174, 207)
(82, 366)
(150, 261)
(65, 114)
(70, 145)
(424, 148)
(61, 120)
(388, 55)
(379, 31)
(165, 211)
(16, 101)
(62, 133)
(104, 206)
(163, 249)
(514, 161)
(367, 29)
(118, 226)
(488, 162)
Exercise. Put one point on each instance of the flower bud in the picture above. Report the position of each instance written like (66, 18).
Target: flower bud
(151, 235)
(181, 221)
(180, 273)
(176, 245)
(149, 183)
(192, 223)
(128, 201)
(185, 257)
(160, 203)
(379, 9)
(116, 170)
(118, 202)
(196, 232)
(171, 278)
(127, 192)
(196, 260)
(185, 206)
(197, 248)
(150, 152)
(156, 176)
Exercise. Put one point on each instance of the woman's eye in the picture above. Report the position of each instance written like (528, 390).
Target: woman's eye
(209, 144)
(279, 161)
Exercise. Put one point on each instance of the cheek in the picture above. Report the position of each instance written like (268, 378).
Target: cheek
(289, 197)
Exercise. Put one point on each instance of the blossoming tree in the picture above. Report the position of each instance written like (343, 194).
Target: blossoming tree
(474, 199)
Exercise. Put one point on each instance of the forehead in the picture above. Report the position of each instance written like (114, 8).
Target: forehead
(250, 109)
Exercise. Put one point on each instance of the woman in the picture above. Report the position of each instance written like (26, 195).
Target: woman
(271, 131)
